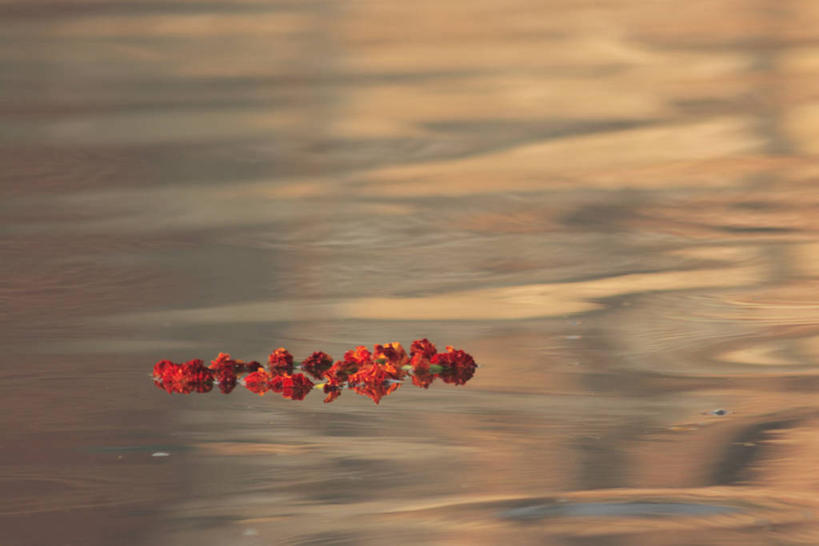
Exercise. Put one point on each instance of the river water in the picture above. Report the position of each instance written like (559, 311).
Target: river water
(612, 204)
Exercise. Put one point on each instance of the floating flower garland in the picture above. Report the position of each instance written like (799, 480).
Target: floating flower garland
(373, 374)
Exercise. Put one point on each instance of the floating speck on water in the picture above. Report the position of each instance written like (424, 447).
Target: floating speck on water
(160, 454)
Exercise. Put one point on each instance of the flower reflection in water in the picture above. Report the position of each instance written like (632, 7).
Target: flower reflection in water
(373, 374)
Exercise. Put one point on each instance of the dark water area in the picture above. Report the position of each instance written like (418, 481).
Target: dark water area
(613, 205)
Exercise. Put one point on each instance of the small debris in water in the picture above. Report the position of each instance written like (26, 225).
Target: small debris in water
(160, 454)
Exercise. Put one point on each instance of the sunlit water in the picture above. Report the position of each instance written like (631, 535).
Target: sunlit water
(612, 205)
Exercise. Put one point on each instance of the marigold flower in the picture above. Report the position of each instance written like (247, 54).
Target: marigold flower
(424, 347)
(280, 362)
(317, 363)
(258, 382)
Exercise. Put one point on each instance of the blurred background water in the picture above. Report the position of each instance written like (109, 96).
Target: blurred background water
(612, 204)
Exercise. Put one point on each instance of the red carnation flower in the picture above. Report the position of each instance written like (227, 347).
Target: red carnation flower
(183, 378)
(280, 362)
(421, 374)
(258, 382)
(373, 381)
(317, 363)
(277, 383)
(360, 355)
(168, 376)
(163, 367)
(393, 357)
(458, 366)
(340, 371)
(424, 347)
(197, 376)
(295, 387)
(227, 379)
(193, 366)
(224, 361)
(393, 353)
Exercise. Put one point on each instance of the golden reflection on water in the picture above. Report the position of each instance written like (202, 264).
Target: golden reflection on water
(613, 205)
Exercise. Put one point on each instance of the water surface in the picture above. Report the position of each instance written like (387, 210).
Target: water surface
(612, 205)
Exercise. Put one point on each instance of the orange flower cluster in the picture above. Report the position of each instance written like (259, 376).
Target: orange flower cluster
(373, 374)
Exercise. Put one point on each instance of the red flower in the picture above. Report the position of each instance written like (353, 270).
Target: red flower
(225, 369)
(223, 361)
(280, 362)
(227, 379)
(317, 363)
(277, 383)
(183, 378)
(258, 382)
(296, 387)
(424, 347)
(168, 376)
(393, 357)
(421, 374)
(340, 371)
(373, 381)
(197, 375)
(360, 355)
(193, 367)
(163, 367)
(458, 366)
